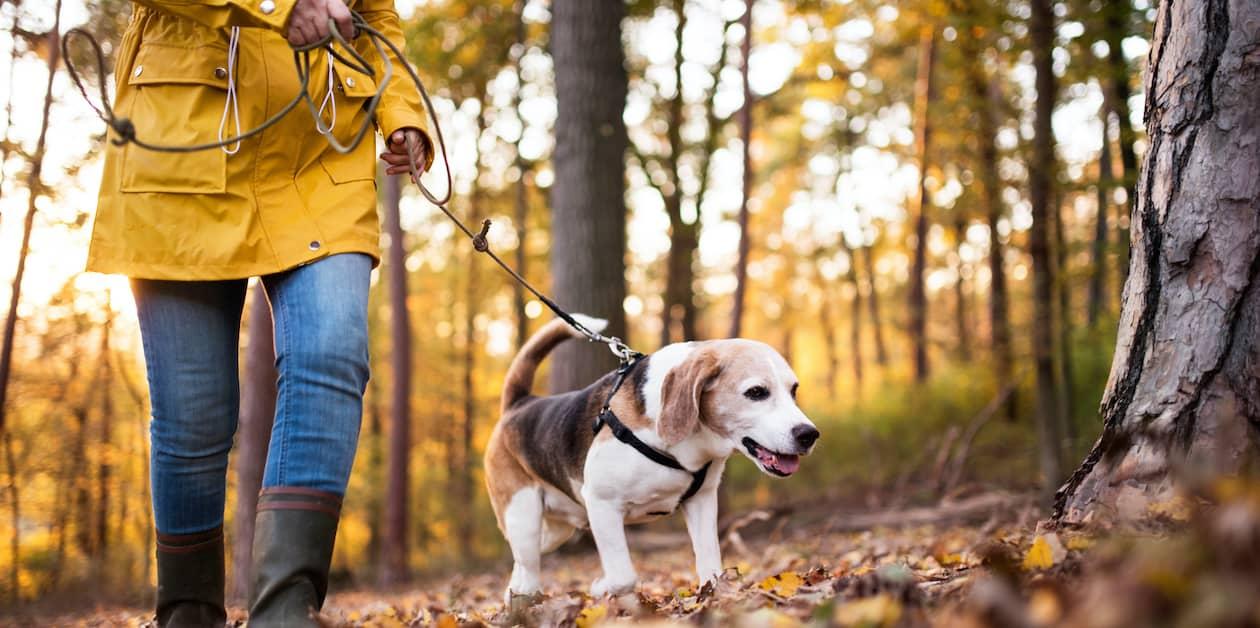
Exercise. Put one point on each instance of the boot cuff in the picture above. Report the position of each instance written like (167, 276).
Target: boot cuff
(297, 498)
(188, 543)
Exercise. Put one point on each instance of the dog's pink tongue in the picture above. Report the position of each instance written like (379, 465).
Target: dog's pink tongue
(787, 464)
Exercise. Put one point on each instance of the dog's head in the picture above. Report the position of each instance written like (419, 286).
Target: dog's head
(744, 392)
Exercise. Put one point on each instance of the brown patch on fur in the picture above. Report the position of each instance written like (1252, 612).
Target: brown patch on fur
(681, 394)
(505, 475)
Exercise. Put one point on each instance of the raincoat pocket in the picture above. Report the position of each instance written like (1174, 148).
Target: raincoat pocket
(353, 91)
(175, 97)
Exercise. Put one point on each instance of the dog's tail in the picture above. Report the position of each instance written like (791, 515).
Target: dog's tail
(520, 375)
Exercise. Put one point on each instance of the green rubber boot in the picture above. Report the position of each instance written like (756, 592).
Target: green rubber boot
(190, 580)
(293, 545)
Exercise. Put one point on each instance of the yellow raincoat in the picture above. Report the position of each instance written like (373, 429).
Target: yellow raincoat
(286, 198)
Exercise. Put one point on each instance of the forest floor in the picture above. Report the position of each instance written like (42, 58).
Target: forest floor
(981, 561)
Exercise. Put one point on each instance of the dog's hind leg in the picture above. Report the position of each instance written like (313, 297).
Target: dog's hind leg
(523, 527)
(555, 533)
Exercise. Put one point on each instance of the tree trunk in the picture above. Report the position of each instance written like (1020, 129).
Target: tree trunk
(745, 136)
(1063, 325)
(855, 325)
(1098, 300)
(34, 191)
(588, 198)
(1184, 390)
(521, 207)
(1116, 16)
(1040, 172)
(466, 530)
(395, 568)
(985, 97)
(923, 96)
(15, 521)
(104, 470)
(678, 263)
(872, 305)
(253, 434)
(962, 325)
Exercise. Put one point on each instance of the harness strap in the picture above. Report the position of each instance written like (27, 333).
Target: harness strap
(624, 434)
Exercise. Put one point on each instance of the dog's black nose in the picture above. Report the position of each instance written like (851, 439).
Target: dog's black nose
(805, 435)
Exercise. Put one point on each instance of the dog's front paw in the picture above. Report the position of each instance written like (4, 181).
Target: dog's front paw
(613, 586)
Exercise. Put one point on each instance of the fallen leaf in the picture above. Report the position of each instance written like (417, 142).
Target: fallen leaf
(591, 615)
(782, 585)
(1046, 550)
(877, 610)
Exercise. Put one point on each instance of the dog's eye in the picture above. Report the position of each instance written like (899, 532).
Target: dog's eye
(757, 393)
(794, 387)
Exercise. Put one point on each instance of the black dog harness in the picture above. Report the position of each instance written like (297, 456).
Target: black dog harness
(626, 435)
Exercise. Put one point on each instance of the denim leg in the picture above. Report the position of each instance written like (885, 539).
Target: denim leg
(190, 331)
(320, 313)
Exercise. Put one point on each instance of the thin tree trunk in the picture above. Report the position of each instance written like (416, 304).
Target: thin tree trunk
(467, 529)
(253, 434)
(745, 136)
(855, 312)
(678, 259)
(395, 568)
(1116, 14)
(1041, 30)
(923, 96)
(985, 97)
(5, 145)
(1063, 327)
(15, 521)
(1098, 299)
(1183, 398)
(34, 188)
(962, 325)
(872, 304)
(588, 198)
(521, 200)
(104, 470)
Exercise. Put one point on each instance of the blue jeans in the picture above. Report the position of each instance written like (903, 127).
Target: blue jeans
(191, 333)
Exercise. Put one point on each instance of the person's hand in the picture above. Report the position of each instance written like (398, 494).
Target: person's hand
(308, 23)
(395, 156)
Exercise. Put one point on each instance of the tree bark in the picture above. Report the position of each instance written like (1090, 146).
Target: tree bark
(34, 191)
(1116, 15)
(104, 469)
(745, 136)
(1040, 172)
(395, 569)
(985, 98)
(588, 198)
(962, 325)
(1184, 390)
(15, 521)
(521, 200)
(1098, 299)
(855, 325)
(923, 96)
(872, 306)
(253, 434)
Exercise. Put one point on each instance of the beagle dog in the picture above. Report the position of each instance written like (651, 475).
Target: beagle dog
(549, 470)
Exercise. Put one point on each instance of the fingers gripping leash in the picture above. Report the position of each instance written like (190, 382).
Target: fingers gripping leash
(335, 47)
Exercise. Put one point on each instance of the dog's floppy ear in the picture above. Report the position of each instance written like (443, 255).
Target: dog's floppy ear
(680, 396)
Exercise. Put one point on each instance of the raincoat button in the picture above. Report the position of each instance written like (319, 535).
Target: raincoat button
(139, 69)
(314, 245)
(267, 6)
(220, 73)
(349, 81)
